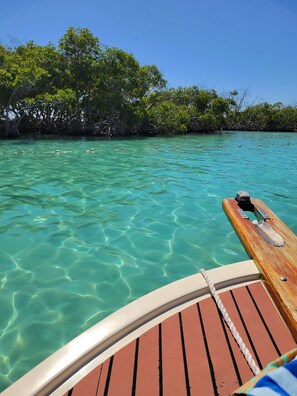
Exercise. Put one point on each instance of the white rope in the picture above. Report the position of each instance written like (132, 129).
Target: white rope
(246, 353)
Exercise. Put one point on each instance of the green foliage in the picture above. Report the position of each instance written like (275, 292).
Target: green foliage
(82, 87)
(286, 119)
(269, 117)
(168, 118)
(80, 56)
(197, 110)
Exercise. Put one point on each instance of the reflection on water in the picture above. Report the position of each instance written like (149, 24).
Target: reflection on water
(88, 226)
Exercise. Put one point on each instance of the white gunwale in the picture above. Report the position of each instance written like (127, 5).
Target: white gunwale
(64, 368)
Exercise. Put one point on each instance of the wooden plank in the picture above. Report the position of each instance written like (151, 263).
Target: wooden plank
(274, 322)
(265, 349)
(94, 383)
(173, 372)
(200, 379)
(244, 370)
(89, 384)
(103, 379)
(147, 382)
(121, 379)
(220, 359)
(273, 262)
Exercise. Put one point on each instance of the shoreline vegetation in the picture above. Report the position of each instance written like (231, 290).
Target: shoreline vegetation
(84, 88)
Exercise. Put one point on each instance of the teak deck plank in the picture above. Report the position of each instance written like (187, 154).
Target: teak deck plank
(173, 372)
(89, 384)
(221, 359)
(198, 366)
(192, 352)
(147, 382)
(244, 370)
(102, 380)
(121, 380)
(277, 327)
(261, 341)
(273, 262)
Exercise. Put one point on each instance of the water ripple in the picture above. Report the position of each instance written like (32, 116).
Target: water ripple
(88, 226)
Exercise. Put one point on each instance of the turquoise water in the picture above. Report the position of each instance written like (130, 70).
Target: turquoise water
(87, 226)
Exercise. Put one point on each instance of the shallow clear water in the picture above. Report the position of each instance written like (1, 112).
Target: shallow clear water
(87, 226)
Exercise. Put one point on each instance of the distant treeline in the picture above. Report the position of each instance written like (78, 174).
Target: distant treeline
(82, 87)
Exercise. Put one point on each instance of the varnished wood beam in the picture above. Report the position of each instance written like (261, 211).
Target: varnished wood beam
(273, 262)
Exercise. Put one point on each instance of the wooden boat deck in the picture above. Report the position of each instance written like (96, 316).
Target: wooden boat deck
(193, 352)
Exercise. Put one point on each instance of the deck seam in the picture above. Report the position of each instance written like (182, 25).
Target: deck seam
(160, 360)
(135, 367)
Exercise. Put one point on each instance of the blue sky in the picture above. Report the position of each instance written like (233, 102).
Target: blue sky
(215, 44)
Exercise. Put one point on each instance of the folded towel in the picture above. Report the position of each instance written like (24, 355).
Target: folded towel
(278, 378)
